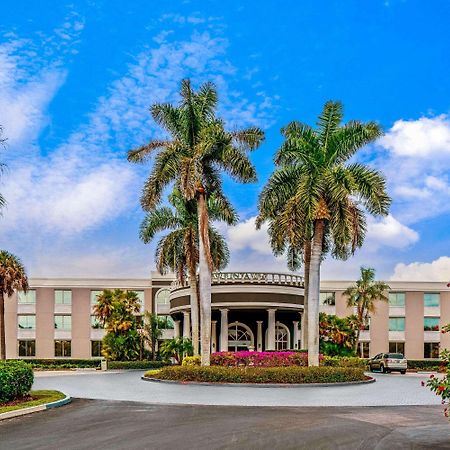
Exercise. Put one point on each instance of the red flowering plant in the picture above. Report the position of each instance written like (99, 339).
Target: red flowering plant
(441, 386)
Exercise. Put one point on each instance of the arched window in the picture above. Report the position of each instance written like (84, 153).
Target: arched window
(240, 337)
(162, 297)
(282, 337)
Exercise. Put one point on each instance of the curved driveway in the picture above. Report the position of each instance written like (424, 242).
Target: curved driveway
(388, 390)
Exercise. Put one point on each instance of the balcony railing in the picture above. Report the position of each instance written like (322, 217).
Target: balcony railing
(285, 279)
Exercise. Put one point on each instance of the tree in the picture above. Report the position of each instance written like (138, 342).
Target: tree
(178, 251)
(320, 196)
(13, 277)
(363, 295)
(198, 150)
(152, 328)
(177, 348)
(337, 335)
(117, 310)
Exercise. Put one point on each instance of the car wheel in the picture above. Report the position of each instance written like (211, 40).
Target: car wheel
(403, 372)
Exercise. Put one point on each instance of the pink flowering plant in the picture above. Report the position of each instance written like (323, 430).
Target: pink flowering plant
(259, 359)
(441, 386)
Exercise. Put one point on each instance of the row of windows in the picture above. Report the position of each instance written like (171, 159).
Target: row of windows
(430, 349)
(27, 348)
(398, 323)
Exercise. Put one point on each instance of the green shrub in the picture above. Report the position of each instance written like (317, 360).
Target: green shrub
(424, 364)
(63, 363)
(344, 361)
(16, 379)
(142, 365)
(191, 361)
(283, 375)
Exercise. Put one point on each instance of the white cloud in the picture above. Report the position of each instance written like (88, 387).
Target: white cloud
(245, 236)
(437, 270)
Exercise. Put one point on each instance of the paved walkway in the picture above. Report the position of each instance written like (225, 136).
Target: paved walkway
(388, 390)
(101, 424)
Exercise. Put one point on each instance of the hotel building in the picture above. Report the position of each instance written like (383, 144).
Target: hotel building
(250, 310)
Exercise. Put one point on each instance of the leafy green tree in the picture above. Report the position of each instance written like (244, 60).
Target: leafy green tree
(153, 327)
(178, 251)
(337, 335)
(364, 295)
(319, 195)
(13, 277)
(193, 157)
(117, 312)
(177, 348)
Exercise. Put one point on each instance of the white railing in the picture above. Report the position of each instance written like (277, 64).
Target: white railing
(286, 279)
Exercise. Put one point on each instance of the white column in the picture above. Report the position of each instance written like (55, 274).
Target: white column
(295, 323)
(176, 328)
(259, 347)
(270, 344)
(213, 336)
(186, 325)
(224, 330)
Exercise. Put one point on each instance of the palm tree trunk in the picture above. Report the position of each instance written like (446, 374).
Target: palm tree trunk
(194, 311)
(314, 293)
(307, 256)
(2, 327)
(204, 281)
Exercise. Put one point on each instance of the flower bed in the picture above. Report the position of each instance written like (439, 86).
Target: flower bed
(260, 375)
(16, 379)
(259, 359)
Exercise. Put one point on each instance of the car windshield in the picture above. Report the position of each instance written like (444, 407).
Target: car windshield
(395, 355)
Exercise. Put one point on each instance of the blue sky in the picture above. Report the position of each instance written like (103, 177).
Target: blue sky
(76, 83)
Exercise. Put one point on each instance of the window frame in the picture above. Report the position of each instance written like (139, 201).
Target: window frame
(438, 296)
(397, 318)
(63, 328)
(21, 294)
(63, 348)
(27, 316)
(327, 295)
(63, 297)
(397, 305)
(26, 341)
(431, 328)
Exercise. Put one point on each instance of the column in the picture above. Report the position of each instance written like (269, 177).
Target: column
(224, 330)
(270, 344)
(176, 328)
(213, 336)
(259, 347)
(186, 325)
(295, 324)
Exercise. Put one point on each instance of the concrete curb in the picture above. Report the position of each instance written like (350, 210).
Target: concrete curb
(260, 385)
(33, 409)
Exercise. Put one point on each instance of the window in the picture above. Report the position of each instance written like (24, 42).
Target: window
(162, 297)
(431, 350)
(63, 348)
(396, 324)
(94, 295)
(366, 325)
(168, 322)
(431, 299)
(240, 337)
(63, 297)
(27, 348)
(26, 322)
(96, 348)
(397, 347)
(327, 298)
(364, 349)
(431, 324)
(281, 337)
(397, 299)
(27, 298)
(63, 323)
(140, 295)
(95, 323)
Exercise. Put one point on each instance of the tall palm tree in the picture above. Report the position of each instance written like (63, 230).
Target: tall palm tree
(363, 295)
(321, 196)
(196, 152)
(178, 251)
(12, 278)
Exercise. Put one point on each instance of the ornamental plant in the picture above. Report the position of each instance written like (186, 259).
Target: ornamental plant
(259, 359)
(16, 379)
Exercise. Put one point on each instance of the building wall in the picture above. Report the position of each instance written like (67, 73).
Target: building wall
(414, 335)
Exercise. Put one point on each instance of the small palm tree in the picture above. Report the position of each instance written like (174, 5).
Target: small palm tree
(320, 196)
(178, 251)
(363, 295)
(12, 278)
(152, 328)
(198, 150)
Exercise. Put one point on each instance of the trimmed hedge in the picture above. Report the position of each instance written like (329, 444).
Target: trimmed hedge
(63, 363)
(279, 375)
(115, 365)
(344, 361)
(424, 364)
(259, 359)
(16, 379)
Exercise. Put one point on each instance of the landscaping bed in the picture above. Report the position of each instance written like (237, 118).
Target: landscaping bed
(34, 398)
(260, 375)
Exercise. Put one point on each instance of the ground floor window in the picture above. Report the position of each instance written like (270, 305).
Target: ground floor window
(431, 350)
(397, 347)
(282, 337)
(96, 348)
(240, 337)
(27, 348)
(63, 348)
(364, 349)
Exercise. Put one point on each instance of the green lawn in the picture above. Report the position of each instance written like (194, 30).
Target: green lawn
(39, 398)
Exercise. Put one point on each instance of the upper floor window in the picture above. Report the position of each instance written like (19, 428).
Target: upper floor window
(94, 296)
(95, 323)
(63, 297)
(29, 297)
(327, 298)
(431, 324)
(26, 322)
(397, 299)
(431, 299)
(140, 296)
(396, 324)
(63, 323)
(162, 297)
